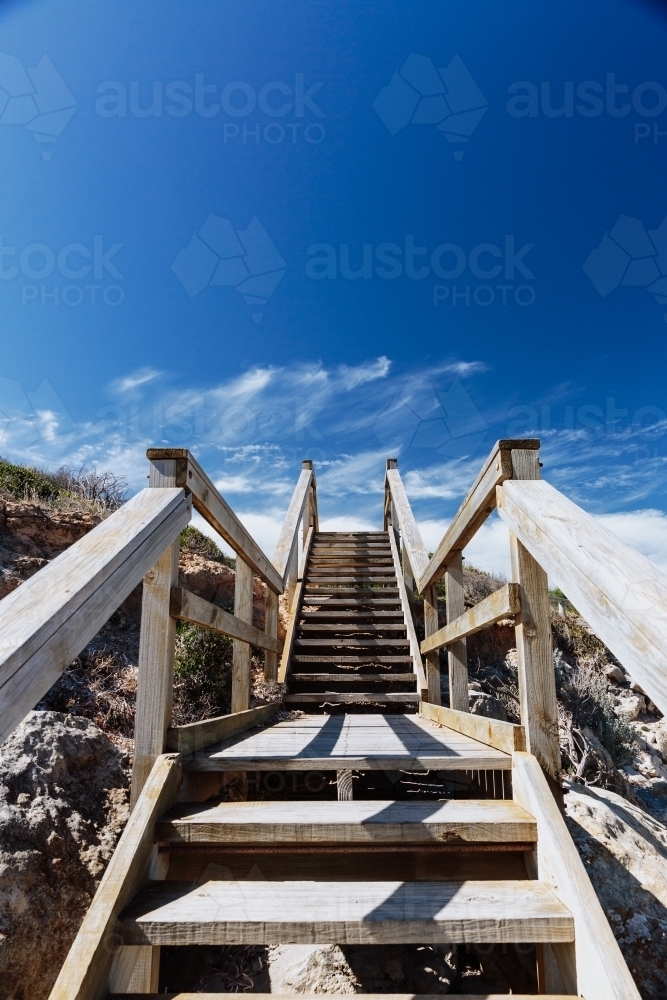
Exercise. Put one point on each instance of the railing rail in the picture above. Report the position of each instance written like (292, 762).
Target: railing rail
(49, 619)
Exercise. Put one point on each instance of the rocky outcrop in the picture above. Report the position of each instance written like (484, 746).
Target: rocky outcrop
(31, 535)
(63, 805)
(624, 850)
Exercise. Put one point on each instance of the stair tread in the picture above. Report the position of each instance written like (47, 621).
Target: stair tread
(341, 641)
(361, 822)
(332, 658)
(352, 627)
(245, 912)
(321, 600)
(369, 741)
(352, 697)
(352, 677)
(352, 616)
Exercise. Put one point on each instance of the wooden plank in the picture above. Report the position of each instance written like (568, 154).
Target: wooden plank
(593, 967)
(352, 698)
(289, 533)
(432, 659)
(330, 996)
(214, 509)
(361, 822)
(457, 656)
(476, 507)
(621, 594)
(293, 623)
(343, 677)
(417, 664)
(328, 658)
(411, 539)
(345, 641)
(244, 912)
(271, 628)
(353, 627)
(49, 619)
(188, 607)
(197, 735)
(85, 971)
(241, 650)
(155, 676)
(504, 736)
(503, 603)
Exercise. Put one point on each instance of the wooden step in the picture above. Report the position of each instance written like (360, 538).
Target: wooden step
(335, 996)
(369, 741)
(332, 658)
(358, 578)
(352, 677)
(343, 641)
(240, 912)
(352, 698)
(352, 627)
(343, 615)
(334, 601)
(461, 821)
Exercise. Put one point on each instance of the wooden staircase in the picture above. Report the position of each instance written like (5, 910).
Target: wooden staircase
(200, 862)
(350, 644)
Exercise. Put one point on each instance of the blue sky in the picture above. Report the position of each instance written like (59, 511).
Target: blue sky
(339, 231)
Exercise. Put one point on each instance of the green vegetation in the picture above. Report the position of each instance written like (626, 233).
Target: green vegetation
(104, 490)
(21, 482)
(557, 592)
(202, 673)
(584, 692)
(193, 540)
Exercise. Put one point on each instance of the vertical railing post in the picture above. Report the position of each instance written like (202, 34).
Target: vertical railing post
(457, 656)
(271, 628)
(156, 650)
(432, 658)
(537, 682)
(241, 650)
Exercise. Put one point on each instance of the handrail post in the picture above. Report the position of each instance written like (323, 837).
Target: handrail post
(537, 682)
(271, 628)
(457, 656)
(241, 651)
(156, 649)
(432, 658)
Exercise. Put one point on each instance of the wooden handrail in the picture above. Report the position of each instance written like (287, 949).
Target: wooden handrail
(621, 594)
(411, 539)
(49, 619)
(295, 609)
(290, 530)
(476, 507)
(422, 684)
(214, 509)
(501, 604)
(188, 607)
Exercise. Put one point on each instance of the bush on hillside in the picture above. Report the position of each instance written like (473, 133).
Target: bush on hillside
(202, 674)
(23, 482)
(193, 540)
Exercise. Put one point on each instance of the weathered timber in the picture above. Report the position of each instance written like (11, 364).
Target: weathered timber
(504, 603)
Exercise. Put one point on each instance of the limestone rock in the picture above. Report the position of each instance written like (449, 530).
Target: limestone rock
(624, 850)
(631, 707)
(487, 705)
(614, 673)
(63, 804)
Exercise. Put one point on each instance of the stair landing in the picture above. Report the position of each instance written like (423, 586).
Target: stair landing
(340, 742)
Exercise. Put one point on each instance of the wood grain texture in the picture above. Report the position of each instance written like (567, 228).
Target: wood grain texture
(457, 656)
(186, 606)
(84, 974)
(240, 912)
(197, 735)
(352, 698)
(411, 539)
(241, 651)
(271, 628)
(155, 676)
(339, 742)
(503, 603)
(621, 594)
(49, 619)
(537, 681)
(476, 507)
(214, 509)
(502, 735)
(330, 996)
(432, 659)
(289, 533)
(601, 972)
(293, 623)
(362, 822)
(417, 665)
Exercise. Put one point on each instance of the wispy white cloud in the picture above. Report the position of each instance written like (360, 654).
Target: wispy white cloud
(134, 381)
